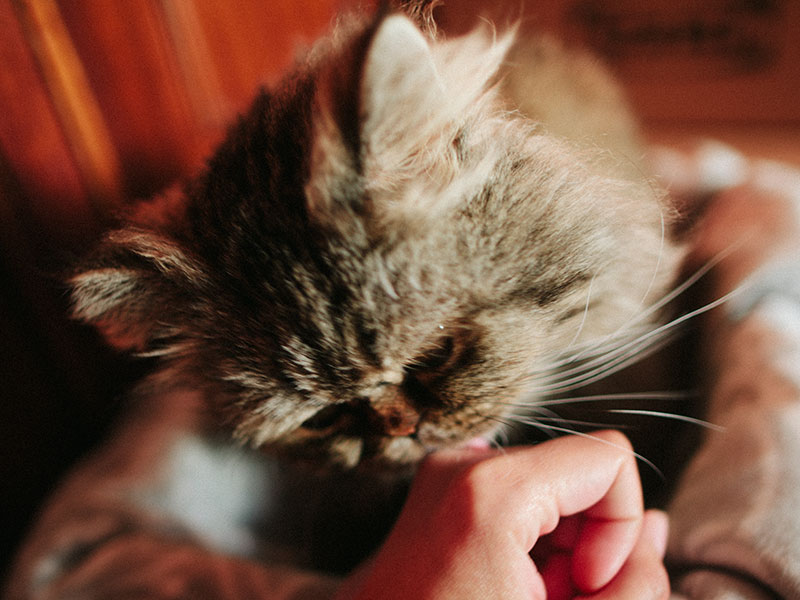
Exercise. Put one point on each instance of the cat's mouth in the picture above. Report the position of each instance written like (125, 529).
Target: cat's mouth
(393, 418)
(388, 436)
(354, 435)
(398, 454)
(359, 433)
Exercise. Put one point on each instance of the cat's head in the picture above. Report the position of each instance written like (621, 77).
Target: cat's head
(379, 259)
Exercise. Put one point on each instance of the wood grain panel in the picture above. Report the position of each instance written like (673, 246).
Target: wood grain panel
(31, 138)
(130, 61)
(72, 97)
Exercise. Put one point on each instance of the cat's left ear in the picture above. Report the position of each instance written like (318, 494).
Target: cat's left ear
(130, 286)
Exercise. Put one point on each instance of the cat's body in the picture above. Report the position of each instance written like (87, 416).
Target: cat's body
(386, 257)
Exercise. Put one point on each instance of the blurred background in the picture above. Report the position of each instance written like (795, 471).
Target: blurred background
(103, 102)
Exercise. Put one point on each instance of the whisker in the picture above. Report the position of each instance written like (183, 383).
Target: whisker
(568, 431)
(588, 349)
(680, 289)
(623, 361)
(593, 347)
(580, 423)
(515, 422)
(507, 424)
(599, 359)
(667, 415)
(649, 342)
(604, 397)
(500, 445)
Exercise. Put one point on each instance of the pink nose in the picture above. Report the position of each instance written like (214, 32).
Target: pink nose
(397, 418)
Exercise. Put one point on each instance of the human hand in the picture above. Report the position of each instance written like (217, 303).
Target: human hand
(475, 518)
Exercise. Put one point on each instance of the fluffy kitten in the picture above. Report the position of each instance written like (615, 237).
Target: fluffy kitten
(385, 250)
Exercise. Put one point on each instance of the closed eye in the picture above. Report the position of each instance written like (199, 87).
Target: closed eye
(449, 353)
(437, 357)
(328, 418)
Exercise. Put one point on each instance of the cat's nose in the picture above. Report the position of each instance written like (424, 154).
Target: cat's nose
(394, 412)
(397, 418)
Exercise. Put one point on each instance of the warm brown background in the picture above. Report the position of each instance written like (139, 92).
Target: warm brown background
(102, 102)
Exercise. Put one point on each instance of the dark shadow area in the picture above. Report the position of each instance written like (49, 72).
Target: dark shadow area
(60, 387)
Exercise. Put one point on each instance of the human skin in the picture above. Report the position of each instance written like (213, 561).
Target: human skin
(559, 520)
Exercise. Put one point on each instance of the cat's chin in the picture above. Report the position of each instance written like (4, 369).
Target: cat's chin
(375, 454)
(389, 455)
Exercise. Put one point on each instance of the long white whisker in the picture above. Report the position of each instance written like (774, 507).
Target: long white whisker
(605, 397)
(666, 415)
(689, 282)
(622, 361)
(579, 422)
(593, 347)
(647, 342)
(556, 428)
(601, 359)
(589, 349)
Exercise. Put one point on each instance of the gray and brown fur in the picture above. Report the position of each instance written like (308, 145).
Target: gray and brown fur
(390, 243)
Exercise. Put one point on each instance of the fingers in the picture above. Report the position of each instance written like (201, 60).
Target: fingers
(596, 476)
(530, 490)
(612, 525)
(474, 514)
(643, 576)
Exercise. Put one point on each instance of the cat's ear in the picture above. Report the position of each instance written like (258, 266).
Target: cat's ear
(392, 110)
(128, 288)
(415, 87)
(401, 91)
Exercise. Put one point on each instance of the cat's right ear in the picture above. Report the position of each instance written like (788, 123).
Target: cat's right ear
(129, 287)
(372, 108)
(386, 84)
(387, 112)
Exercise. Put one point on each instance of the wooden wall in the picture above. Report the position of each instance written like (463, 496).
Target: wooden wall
(102, 101)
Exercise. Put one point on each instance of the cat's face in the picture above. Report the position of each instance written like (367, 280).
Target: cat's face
(380, 261)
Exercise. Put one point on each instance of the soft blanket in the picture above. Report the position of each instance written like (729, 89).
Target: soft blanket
(736, 516)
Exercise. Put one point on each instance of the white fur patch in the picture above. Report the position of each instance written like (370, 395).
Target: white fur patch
(779, 278)
(217, 492)
(783, 314)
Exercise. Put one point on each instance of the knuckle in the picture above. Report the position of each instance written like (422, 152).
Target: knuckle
(477, 478)
(616, 438)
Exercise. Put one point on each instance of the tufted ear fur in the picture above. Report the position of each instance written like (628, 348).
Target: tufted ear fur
(129, 287)
(409, 99)
(401, 91)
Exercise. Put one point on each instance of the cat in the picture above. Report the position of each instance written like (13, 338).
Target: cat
(396, 250)
(377, 251)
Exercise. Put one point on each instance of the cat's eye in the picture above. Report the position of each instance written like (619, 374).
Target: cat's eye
(439, 356)
(455, 346)
(327, 418)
